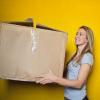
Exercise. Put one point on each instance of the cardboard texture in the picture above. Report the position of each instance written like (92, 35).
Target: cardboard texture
(26, 52)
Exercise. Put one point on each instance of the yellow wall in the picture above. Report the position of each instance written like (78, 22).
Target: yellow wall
(66, 15)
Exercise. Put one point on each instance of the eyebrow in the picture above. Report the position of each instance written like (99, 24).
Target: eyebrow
(77, 32)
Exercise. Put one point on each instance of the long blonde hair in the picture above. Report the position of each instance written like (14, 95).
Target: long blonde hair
(87, 48)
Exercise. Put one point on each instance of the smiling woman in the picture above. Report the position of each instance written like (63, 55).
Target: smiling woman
(78, 67)
(65, 15)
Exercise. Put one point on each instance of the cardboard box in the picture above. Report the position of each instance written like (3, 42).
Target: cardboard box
(26, 52)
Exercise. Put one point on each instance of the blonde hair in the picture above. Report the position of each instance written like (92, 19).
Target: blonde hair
(89, 46)
(90, 38)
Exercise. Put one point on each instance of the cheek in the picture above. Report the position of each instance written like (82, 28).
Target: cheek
(84, 39)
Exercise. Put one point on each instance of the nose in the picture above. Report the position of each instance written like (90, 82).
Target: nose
(77, 35)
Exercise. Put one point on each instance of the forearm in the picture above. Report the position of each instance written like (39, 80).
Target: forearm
(69, 83)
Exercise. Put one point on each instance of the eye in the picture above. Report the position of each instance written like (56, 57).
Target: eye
(80, 34)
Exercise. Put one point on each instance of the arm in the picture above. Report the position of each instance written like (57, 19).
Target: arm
(82, 77)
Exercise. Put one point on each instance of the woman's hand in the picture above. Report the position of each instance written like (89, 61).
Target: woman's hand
(47, 78)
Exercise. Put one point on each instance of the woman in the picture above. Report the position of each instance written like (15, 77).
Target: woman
(78, 67)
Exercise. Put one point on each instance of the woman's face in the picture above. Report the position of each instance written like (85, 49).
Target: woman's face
(81, 37)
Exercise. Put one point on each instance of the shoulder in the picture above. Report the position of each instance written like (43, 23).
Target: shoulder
(87, 55)
(87, 58)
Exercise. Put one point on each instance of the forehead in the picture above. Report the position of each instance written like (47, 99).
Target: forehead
(82, 31)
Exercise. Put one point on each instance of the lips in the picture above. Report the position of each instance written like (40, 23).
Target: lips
(77, 39)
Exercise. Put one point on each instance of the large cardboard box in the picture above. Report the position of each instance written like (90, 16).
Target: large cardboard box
(26, 52)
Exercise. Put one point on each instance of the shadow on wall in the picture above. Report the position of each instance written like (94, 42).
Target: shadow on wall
(27, 90)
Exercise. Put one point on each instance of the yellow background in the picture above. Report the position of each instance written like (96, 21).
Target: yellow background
(65, 15)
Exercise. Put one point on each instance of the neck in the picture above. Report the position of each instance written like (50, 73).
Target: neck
(80, 48)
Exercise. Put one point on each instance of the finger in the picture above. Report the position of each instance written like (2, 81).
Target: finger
(40, 76)
(45, 82)
(39, 81)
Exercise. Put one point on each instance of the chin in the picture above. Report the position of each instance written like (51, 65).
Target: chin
(78, 44)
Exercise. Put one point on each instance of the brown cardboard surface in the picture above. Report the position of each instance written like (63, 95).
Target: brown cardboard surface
(26, 53)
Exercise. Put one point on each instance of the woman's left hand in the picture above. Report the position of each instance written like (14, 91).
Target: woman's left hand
(47, 78)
